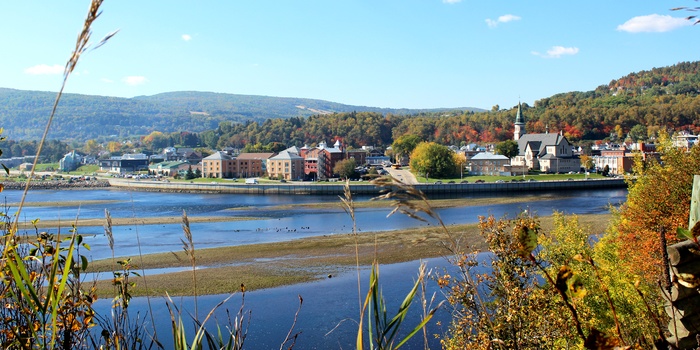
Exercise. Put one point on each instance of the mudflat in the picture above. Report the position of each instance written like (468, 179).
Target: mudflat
(225, 269)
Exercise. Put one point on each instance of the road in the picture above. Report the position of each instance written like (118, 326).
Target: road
(404, 175)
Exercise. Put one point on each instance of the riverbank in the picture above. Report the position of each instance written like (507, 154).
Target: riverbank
(259, 266)
(338, 188)
(55, 184)
(378, 204)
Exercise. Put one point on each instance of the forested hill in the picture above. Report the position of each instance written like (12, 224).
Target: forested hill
(661, 98)
(23, 114)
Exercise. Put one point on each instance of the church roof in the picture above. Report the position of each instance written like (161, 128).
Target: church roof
(539, 142)
(519, 116)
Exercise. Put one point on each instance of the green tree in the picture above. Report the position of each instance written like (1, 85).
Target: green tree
(404, 145)
(638, 133)
(508, 148)
(345, 168)
(190, 174)
(432, 159)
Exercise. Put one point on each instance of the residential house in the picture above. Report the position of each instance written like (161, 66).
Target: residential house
(189, 155)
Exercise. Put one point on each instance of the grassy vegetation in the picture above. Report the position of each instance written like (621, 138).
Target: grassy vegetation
(536, 177)
(85, 170)
(45, 166)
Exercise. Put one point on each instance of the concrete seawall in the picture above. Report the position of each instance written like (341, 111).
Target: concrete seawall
(338, 188)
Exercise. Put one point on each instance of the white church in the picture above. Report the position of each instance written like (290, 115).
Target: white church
(549, 153)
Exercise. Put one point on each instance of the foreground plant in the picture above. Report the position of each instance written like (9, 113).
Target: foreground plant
(382, 328)
(44, 302)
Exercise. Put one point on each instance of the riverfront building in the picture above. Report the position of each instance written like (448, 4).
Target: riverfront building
(548, 152)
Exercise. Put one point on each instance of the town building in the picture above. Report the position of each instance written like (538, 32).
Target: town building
(167, 168)
(684, 140)
(376, 157)
(487, 163)
(621, 160)
(223, 165)
(252, 164)
(286, 165)
(125, 164)
(319, 161)
(218, 165)
(70, 161)
(548, 152)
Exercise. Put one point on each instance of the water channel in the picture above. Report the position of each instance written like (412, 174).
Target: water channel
(328, 319)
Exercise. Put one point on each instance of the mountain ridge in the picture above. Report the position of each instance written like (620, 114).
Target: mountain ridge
(23, 113)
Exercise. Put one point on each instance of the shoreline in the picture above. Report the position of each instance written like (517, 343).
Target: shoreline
(55, 185)
(338, 188)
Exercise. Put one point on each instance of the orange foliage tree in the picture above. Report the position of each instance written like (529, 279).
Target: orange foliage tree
(657, 204)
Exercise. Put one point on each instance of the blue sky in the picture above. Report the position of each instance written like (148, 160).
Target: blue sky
(379, 53)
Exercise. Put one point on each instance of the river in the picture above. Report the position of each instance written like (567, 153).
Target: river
(328, 319)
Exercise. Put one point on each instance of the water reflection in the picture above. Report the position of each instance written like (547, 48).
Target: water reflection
(330, 312)
(272, 225)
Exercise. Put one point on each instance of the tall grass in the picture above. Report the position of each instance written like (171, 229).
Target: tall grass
(383, 328)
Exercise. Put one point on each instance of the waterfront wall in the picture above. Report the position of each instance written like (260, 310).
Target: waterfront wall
(338, 188)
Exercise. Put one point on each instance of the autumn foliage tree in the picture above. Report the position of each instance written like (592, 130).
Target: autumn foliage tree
(657, 204)
(345, 168)
(433, 160)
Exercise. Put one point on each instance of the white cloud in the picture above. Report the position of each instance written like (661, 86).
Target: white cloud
(451, 1)
(557, 51)
(653, 24)
(105, 80)
(44, 69)
(186, 37)
(135, 80)
(502, 19)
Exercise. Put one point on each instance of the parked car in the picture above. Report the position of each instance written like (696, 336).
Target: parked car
(438, 182)
(479, 181)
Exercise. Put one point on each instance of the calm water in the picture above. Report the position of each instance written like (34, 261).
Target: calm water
(271, 225)
(328, 319)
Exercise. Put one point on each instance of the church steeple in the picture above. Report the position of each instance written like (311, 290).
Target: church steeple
(519, 124)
